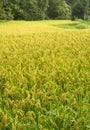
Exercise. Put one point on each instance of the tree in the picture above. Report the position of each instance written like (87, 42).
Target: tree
(80, 9)
(2, 11)
(43, 6)
(44, 9)
(5, 10)
(59, 9)
(85, 5)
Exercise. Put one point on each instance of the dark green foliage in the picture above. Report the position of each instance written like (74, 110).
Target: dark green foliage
(44, 9)
(77, 11)
(59, 9)
(5, 10)
(81, 9)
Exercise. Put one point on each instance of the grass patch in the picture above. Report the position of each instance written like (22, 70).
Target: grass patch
(80, 24)
(67, 26)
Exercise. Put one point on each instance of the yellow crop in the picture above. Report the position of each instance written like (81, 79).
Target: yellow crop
(44, 76)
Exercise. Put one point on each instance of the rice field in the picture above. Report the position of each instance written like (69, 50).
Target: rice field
(44, 76)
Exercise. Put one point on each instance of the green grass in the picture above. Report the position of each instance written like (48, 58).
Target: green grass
(79, 24)
(44, 76)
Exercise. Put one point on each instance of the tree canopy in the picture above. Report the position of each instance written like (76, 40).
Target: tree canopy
(44, 9)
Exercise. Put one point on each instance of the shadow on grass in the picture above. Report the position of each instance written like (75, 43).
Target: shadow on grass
(3, 21)
(73, 26)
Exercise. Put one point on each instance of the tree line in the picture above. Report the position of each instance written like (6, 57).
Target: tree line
(44, 9)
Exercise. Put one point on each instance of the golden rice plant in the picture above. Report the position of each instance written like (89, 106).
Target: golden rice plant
(44, 76)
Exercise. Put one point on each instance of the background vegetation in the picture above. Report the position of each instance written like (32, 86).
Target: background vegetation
(44, 9)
